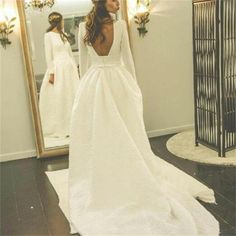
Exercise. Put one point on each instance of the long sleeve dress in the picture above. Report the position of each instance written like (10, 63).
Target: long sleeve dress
(56, 100)
(117, 185)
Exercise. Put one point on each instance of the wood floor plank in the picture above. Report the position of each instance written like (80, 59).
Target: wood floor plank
(29, 203)
(57, 222)
(28, 200)
(10, 220)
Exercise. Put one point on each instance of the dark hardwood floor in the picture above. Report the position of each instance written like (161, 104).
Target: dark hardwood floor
(29, 204)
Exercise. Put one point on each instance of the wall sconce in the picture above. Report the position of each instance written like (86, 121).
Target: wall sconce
(6, 27)
(142, 16)
(39, 4)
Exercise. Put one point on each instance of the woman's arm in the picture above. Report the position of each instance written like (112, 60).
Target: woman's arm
(70, 51)
(83, 51)
(126, 51)
(49, 57)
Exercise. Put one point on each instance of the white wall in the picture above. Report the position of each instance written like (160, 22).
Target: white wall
(164, 69)
(16, 129)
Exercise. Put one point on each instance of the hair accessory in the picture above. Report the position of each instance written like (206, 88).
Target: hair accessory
(54, 17)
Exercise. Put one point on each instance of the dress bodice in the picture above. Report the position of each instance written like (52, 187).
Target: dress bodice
(56, 50)
(119, 53)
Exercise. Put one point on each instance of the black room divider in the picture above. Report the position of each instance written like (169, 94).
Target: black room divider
(214, 62)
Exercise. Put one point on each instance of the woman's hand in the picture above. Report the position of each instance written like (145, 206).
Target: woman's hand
(51, 79)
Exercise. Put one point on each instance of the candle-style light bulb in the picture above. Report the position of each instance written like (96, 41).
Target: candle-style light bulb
(141, 8)
(2, 17)
(142, 16)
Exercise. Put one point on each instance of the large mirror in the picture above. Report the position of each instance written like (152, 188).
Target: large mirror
(50, 105)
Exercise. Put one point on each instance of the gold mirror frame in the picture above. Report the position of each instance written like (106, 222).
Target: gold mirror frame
(31, 84)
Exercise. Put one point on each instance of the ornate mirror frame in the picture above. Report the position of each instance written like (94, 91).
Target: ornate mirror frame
(31, 84)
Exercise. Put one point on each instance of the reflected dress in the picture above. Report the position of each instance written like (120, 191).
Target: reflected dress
(117, 185)
(56, 100)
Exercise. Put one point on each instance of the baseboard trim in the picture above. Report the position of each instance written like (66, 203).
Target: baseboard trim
(172, 130)
(17, 155)
(153, 133)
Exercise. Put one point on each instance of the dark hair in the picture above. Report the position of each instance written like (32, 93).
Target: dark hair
(55, 19)
(94, 21)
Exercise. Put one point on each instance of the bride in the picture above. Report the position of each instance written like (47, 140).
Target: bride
(60, 80)
(117, 185)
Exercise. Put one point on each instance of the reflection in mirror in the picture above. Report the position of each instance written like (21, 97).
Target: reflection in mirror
(52, 35)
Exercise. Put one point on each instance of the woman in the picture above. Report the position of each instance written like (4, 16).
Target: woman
(117, 186)
(60, 81)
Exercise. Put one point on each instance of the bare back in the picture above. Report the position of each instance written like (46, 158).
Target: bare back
(114, 50)
(103, 48)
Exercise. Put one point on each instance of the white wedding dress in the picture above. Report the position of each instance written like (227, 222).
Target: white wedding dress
(56, 101)
(117, 185)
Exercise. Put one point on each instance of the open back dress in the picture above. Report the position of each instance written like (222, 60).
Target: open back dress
(117, 185)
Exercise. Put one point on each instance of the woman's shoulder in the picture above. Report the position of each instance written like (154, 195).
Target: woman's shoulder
(121, 23)
(82, 24)
(48, 34)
